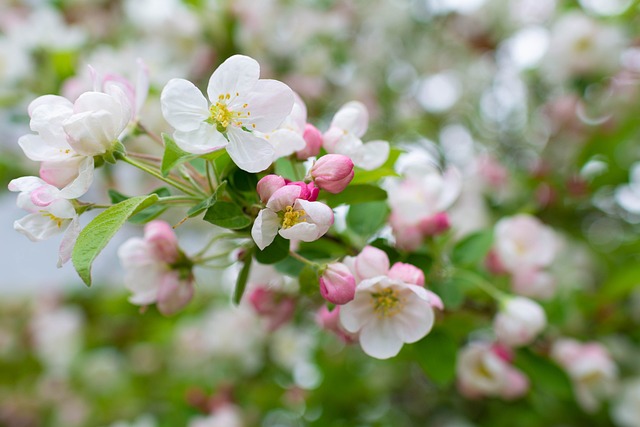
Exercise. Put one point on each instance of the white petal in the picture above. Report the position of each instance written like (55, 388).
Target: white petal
(62, 208)
(26, 183)
(47, 114)
(415, 320)
(317, 213)
(49, 101)
(352, 117)
(39, 150)
(269, 102)
(451, 187)
(371, 155)
(265, 228)
(68, 241)
(38, 227)
(357, 312)
(378, 339)
(201, 140)
(285, 142)
(250, 153)
(238, 74)
(183, 105)
(83, 181)
(304, 231)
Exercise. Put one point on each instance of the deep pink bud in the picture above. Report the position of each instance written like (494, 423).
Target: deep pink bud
(313, 137)
(337, 284)
(163, 240)
(407, 273)
(307, 191)
(332, 172)
(268, 185)
(277, 307)
(436, 224)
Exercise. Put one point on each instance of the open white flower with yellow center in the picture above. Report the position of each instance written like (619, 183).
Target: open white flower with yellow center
(387, 313)
(241, 103)
(50, 212)
(291, 217)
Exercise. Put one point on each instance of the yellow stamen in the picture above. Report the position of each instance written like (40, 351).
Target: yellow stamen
(53, 218)
(221, 115)
(292, 217)
(386, 303)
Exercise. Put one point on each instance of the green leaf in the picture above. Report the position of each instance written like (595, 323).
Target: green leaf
(241, 282)
(436, 355)
(472, 248)
(207, 203)
(356, 194)
(308, 280)
(364, 177)
(227, 215)
(276, 251)
(147, 214)
(172, 155)
(365, 219)
(95, 236)
(289, 169)
(622, 281)
(544, 374)
(243, 181)
(452, 292)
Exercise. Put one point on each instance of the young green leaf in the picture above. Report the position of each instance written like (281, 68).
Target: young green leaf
(173, 155)
(207, 203)
(95, 236)
(472, 248)
(356, 194)
(365, 219)
(227, 215)
(241, 282)
(276, 251)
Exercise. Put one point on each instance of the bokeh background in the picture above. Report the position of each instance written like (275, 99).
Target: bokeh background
(535, 101)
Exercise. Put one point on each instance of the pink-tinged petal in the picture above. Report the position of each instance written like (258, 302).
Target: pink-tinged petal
(356, 313)
(144, 283)
(352, 117)
(303, 231)
(378, 339)
(237, 75)
(371, 155)
(316, 213)
(80, 185)
(371, 262)
(313, 142)
(68, 242)
(43, 196)
(269, 102)
(162, 240)
(516, 384)
(435, 300)
(204, 139)
(283, 197)
(407, 273)
(415, 319)
(173, 293)
(39, 150)
(136, 253)
(268, 185)
(142, 85)
(265, 228)
(183, 105)
(298, 114)
(248, 152)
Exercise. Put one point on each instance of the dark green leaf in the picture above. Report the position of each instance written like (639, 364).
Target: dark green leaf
(241, 282)
(365, 219)
(356, 194)
(622, 281)
(207, 203)
(95, 236)
(544, 374)
(172, 155)
(227, 215)
(276, 251)
(472, 248)
(436, 355)
(243, 181)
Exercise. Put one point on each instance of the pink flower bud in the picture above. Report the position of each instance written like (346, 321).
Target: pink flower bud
(173, 293)
(163, 240)
(407, 273)
(436, 224)
(268, 185)
(277, 307)
(519, 322)
(330, 321)
(332, 172)
(313, 137)
(337, 284)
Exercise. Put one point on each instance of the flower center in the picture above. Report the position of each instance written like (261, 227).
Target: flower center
(220, 115)
(292, 217)
(53, 218)
(386, 303)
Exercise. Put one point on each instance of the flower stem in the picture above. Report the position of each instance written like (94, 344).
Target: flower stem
(158, 175)
(303, 259)
(151, 135)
